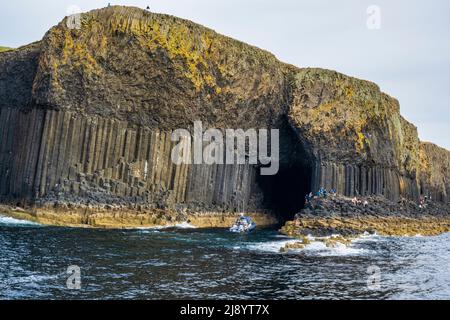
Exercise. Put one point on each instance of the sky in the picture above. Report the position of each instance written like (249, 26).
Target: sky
(403, 46)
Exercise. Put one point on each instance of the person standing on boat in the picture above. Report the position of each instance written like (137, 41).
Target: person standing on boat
(243, 221)
(243, 224)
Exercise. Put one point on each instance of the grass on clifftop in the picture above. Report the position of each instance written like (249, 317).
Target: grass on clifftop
(4, 49)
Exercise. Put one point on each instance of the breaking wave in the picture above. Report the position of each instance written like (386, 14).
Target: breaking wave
(4, 220)
(182, 225)
(315, 247)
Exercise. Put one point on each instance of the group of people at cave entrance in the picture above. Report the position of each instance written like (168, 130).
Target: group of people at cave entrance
(359, 202)
(322, 192)
(423, 201)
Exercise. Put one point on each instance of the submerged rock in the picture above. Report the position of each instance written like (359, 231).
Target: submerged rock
(304, 241)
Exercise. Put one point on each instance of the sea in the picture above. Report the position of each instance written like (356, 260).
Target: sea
(183, 262)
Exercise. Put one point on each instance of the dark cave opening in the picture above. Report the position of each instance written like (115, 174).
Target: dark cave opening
(284, 193)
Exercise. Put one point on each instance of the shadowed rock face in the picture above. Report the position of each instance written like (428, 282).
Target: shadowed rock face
(18, 70)
(434, 171)
(87, 114)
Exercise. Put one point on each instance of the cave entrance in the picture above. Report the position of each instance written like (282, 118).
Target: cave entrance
(284, 193)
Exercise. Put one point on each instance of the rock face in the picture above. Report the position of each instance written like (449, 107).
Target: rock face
(434, 171)
(360, 143)
(87, 115)
(336, 214)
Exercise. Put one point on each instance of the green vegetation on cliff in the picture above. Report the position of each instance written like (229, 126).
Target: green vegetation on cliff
(4, 49)
(157, 70)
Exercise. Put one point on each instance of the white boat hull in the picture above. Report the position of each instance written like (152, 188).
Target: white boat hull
(241, 229)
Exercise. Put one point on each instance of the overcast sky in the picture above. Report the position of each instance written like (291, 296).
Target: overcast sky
(408, 56)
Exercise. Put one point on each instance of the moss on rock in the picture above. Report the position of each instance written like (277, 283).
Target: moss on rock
(5, 49)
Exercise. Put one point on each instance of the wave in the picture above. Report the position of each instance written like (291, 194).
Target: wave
(182, 225)
(315, 247)
(31, 279)
(339, 249)
(367, 237)
(4, 220)
(270, 246)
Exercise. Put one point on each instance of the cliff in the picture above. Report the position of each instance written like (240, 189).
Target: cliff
(359, 140)
(87, 115)
(434, 171)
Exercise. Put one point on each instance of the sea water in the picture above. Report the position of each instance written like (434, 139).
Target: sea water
(184, 262)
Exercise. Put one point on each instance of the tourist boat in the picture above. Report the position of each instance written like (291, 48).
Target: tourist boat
(243, 227)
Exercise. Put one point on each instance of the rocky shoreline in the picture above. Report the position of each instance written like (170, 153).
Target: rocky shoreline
(118, 217)
(321, 217)
(324, 216)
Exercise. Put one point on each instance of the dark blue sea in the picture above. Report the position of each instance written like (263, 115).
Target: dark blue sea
(38, 262)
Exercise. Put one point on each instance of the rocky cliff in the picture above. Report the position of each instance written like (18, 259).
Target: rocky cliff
(87, 114)
(434, 171)
(359, 141)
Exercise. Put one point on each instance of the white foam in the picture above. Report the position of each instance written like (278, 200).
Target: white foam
(13, 221)
(282, 236)
(339, 249)
(182, 225)
(145, 230)
(367, 237)
(31, 279)
(314, 248)
(270, 246)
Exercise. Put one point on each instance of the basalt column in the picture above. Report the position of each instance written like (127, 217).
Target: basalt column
(61, 156)
(360, 180)
(20, 133)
